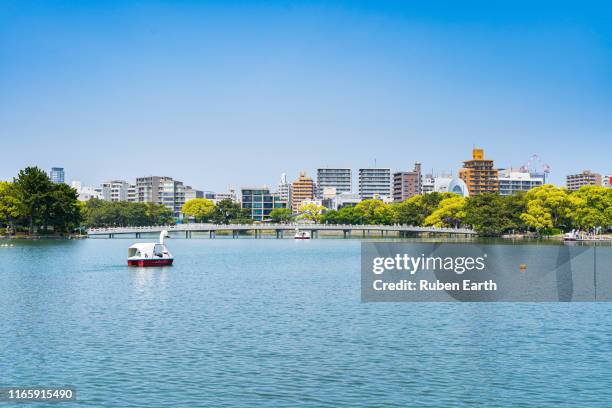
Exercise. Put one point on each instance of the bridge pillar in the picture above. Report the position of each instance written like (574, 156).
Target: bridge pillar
(234, 234)
(211, 234)
(347, 233)
(314, 233)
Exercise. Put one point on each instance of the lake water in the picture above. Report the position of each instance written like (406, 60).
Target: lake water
(279, 323)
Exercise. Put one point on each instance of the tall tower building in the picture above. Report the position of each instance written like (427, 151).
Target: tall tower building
(479, 174)
(374, 183)
(407, 183)
(302, 189)
(57, 174)
(284, 188)
(161, 190)
(340, 179)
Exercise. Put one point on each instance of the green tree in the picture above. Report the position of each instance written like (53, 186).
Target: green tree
(450, 212)
(33, 188)
(99, 213)
(375, 212)
(537, 216)
(345, 215)
(414, 210)
(10, 206)
(138, 215)
(281, 215)
(311, 212)
(199, 208)
(514, 205)
(547, 207)
(349, 215)
(63, 210)
(228, 212)
(591, 207)
(490, 214)
(159, 214)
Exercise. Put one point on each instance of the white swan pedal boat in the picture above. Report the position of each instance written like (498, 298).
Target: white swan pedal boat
(301, 234)
(150, 253)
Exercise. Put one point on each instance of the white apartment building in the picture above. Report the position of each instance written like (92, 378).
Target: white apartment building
(284, 188)
(132, 193)
(428, 184)
(338, 178)
(161, 190)
(86, 193)
(512, 181)
(375, 183)
(230, 195)
(115, 190)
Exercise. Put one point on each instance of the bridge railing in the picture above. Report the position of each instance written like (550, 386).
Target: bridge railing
(210, 226)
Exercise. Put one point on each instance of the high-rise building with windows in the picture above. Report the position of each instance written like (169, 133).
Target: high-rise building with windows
(407, 183)
(375, 183)
(161, 190)
(301, 189)
(115, 190)
(284, 188)
(338, 178)
(428, 184)
(260, 202)
(57, 174)
(607, 181)
(479, 174)
(132, 193)
(586, 178)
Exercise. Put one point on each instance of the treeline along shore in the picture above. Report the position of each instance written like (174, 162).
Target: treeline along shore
(32, 205)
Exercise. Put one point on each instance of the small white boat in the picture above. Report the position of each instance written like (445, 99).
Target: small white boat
(301, 234)
(571, 236)
(150, 253)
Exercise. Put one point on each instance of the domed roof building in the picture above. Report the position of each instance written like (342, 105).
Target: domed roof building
(451, 185)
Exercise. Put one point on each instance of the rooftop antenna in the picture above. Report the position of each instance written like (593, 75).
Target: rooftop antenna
(375, 162)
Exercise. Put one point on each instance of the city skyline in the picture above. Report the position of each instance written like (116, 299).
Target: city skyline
(537, 171)
(221, 94)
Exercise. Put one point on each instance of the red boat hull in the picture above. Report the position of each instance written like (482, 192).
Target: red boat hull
(149, 262)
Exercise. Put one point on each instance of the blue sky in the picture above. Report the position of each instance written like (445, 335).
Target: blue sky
(234, 93)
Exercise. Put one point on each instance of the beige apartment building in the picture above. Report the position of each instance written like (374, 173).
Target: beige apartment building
(479, 174)
(586, 178)
(301, 189)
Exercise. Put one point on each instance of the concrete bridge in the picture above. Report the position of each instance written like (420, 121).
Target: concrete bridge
(278, 229)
